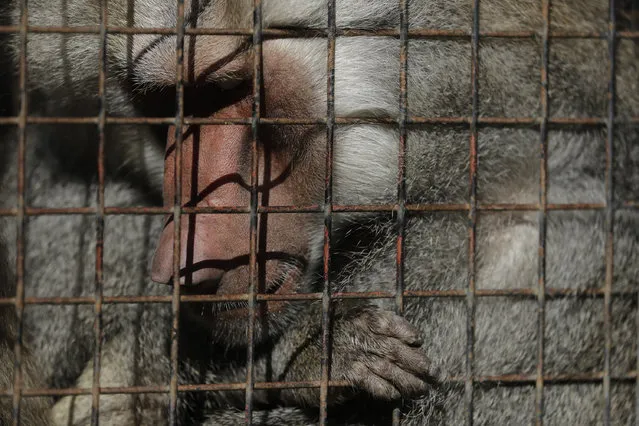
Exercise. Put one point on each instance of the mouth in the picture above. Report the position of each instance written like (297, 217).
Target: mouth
(285, 282)
(207, 288)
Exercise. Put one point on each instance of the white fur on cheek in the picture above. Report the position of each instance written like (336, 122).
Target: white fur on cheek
(154, 164)
(362, 172)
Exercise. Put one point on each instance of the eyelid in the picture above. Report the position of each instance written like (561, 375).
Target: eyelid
(204, 100)
(229, 83)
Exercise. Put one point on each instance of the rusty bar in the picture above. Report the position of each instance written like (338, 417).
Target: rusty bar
(99, 218)
(472, 220)
(554, 293)
(635, 24)
(256, 115)
(202, 387)
(283, 121)
(504, 379)
(418, 33)
(609, 211)
(325, 360)
(401, 170)
(511, 379)
(524, 379)
(177, 210)
(20, 217)
(313, 208)
(543, 201)
(401, 162)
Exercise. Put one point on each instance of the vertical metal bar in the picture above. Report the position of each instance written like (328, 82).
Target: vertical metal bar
(328, 209)
(99, 239)
(20, 217)
(634, 26)
(253, 235)
(637, 361)
(610, 214)
(177, 210)
(401, 167)
(543, 202)
(472, 218)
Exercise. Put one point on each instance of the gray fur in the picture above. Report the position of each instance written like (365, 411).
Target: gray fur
(60, 254)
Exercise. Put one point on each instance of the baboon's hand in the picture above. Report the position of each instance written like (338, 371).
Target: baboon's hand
(380, 352)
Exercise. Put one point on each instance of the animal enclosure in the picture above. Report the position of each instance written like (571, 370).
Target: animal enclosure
(544, 118)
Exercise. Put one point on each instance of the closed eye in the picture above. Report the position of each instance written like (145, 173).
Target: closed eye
(203, 100)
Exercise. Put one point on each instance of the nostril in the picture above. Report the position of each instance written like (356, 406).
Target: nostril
(171, 281)
(199, 260)
(186, 279)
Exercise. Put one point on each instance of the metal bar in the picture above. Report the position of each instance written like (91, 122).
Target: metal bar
(401, 169)
(635, 24)
(20, 217)
(401, 162)
(526, 380)
(420, 33)
(325, 360)
(472, 220)
(253, 232)
(554, 293)
(282, 121)
(543, 202)
(609, 211)
(99, 239)
(355, 208)
(204, 387)
(177, 210)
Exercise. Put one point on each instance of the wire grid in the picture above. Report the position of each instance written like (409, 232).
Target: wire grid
(401, 208)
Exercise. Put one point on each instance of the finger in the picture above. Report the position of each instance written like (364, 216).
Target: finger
(363, 378)
(407, 383)
(408, 358)
(392, 325)
(413, 360)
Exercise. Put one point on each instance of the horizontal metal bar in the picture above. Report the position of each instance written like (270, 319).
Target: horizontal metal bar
(244, 121)
(204, 387)
(513, 379)
(314, 208)
(213, 298)
(314, 32)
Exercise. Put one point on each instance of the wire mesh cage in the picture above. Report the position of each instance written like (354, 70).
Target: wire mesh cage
(622, 27)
